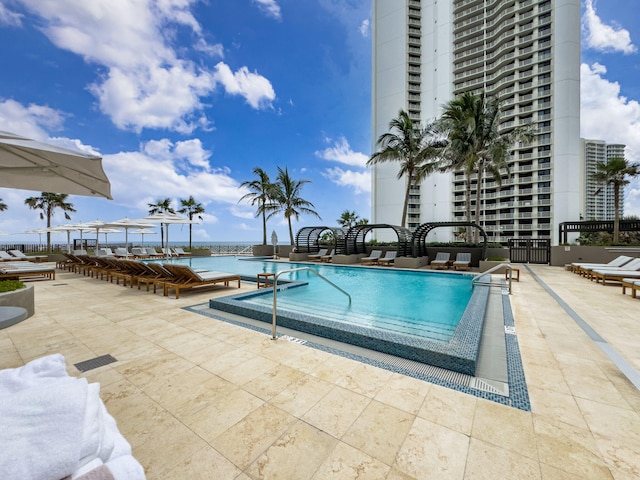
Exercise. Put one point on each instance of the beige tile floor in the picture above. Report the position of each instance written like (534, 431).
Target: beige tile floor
(202, 399)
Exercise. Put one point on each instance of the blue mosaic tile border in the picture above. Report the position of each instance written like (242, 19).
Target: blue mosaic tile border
(459, 354)
(518, 394)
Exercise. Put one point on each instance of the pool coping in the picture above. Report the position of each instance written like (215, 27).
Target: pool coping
(459, 354)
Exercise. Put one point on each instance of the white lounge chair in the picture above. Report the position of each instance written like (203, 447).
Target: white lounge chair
(122, 252)
(373, 257)
(441, 261)
(317, 256)
(31, 258)
(388, 259)
(179, 251)
(5, 257)
(581, 267)
(462, 261)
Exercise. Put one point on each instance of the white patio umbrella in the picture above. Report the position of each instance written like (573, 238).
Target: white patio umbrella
(32, 165)
(143, 232)
(127, 224)
(68, 227)
(168, 218)
(97, 225)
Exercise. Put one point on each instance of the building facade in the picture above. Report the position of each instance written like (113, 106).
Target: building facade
(526, 53)
(599, 201)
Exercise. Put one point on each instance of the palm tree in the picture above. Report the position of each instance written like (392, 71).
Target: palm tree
(261, 193)
(3, 206)
(475, 144)
(410, 145)
(161, 206)
(190, 208)
(48, 202)
(288, 199)
(615, 173)
(348, 219)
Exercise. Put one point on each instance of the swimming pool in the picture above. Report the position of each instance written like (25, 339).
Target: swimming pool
(431, 317)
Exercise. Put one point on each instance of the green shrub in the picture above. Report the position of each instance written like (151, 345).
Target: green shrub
(10, 285)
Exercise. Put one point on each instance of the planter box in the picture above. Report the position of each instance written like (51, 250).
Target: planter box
(20, 298)
(410, 262)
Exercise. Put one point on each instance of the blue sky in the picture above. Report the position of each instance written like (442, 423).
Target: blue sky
(186, 97)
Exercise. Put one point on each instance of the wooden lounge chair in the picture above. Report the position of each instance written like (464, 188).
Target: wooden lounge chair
(328, 258)
(31, 258)
(441, 261)
(16, 271)
(388, 259)
(630, 270)
(188, 278)
(373, 257)
(633, 284)
(462, 261)
(317, 256)
(584, 269)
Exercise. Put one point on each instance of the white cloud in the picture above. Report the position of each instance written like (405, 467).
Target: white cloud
(359, 181)
(146, 81)
(9, 18)
(341, 152)
(364, 28)
(32, 121)
(601, 99)
(270, 7)
(256, 89)
(603, 37)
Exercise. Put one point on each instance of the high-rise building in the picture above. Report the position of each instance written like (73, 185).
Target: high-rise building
(524, 52)
(599, 201)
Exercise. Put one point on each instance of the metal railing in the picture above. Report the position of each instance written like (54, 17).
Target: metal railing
(275, 290)
(506, 266)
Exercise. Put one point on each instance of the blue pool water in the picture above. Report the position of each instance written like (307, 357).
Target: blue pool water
(423, 304)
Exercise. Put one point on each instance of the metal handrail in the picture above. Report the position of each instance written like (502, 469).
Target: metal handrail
(275, 289)
(507, 266)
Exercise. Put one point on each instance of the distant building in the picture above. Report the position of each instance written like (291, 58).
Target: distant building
(524, 52)
(598, 198)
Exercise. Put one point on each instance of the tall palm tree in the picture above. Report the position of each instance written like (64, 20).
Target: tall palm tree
(475, 144)
(191, 208)
(161, 206)
(413, 147)
(289, 200)
(615, 173)
(3, 206)
(48, 203)
(262, 193)
(348, 219)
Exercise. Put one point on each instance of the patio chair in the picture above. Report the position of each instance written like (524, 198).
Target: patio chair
(328, 257)
(25, 271)
(31, 258)
(187, 278)
(5, 257)
(388, 259)
(105, 252)
(317, 256)
(630, 270)
(152, 253)
(441, 261)
(373, 257)
(179, 251)
(462, 261)
(631, 283)
(582, 268)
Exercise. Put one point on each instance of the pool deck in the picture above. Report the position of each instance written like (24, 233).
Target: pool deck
(203, 399)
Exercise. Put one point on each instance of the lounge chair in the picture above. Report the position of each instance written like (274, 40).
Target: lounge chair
(24, 271)
(388, 259)
(373, 257)
(462, 261)
(122, 252)
(441, 261)
(328, 258)
(630, 270)
(5, 257)
(317, 256)
(581, 267)
(105, 252)
(179, 251)
(138, 252)
(31, 258)
(631, 283)
(152, 253)
(187, 278)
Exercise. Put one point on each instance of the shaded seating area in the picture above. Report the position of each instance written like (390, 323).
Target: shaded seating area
(441, 261)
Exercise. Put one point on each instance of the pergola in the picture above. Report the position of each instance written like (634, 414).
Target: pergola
(418, 241)
(307, 239)
(355, 243)
(593, 226)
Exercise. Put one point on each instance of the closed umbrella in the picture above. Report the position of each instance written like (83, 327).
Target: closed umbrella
(32, 165)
